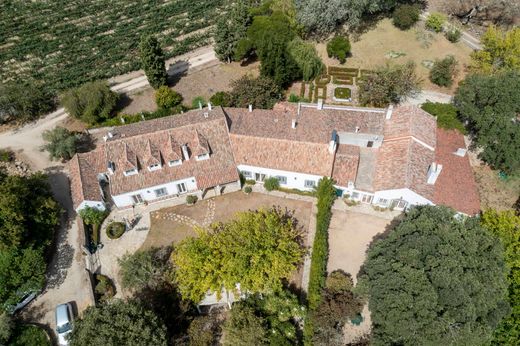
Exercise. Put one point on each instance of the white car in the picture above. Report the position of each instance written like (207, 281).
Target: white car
(63, 322)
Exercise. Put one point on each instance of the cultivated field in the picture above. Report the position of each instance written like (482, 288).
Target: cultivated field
(65, 43)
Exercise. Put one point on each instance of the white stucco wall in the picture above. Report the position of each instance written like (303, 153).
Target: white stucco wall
(294, 180)
(406, 194)
(93, 204)
(148, 194)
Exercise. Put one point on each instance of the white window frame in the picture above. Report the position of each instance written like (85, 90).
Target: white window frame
(247, 174)
(355, 195)
(309, 184)
(137, 198)
(281, 179)
(202, 157)
(154, 167)
(161, 192)
(366, 198)
(173, 163)
(260, 177)
(383, 201)
(181, 188)
(129, 172)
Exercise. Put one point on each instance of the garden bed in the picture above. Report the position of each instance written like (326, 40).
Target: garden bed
(115, 230)
(342, 94)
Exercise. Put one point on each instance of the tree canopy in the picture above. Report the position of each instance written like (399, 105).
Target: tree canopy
(61, 143)
(230, 29)
(24, 100)
(152, 61)
(118, 323)
(244, 327)
(501, 51)
(261, 92)
(256, 250)
(435, 279)
(306, 57)
(490, 105)
(144, 268)
(167, 98)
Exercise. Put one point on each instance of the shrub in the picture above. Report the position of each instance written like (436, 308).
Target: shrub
(6, 155)
(453, 35)
(61, 143)
(435, 21)
(197, 102)
(294, 98)
(261, 92)
(167, 98)
(191, 199)
(342, 93)
(92, 216)
(221, 98)
(271, 184)
(339, 281)
(443, 71)
(29, 335)
(115, 230)
(104, 287)
(92, 102)
(405, 16)
(339, 48)
(306, 58)
(446, 114)
(248, 189)
(250, 181)
(203, 331)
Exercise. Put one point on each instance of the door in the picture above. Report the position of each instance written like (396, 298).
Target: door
(399, 204)
(137, 199)
(259, 177)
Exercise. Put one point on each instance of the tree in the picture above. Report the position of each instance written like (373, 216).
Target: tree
(435, 279)
(506, 226)
(221, 98)
(92, 102)
(489, 105)
(306, 57)
(446, 114)
(389, 84)
(118, 323)
(92, 216)
(242, 251)
(435, 21)
(21, 271)
(62, 144)
(144, 268)
(259, 92)
(339, 48)
(6, 327)
(443, 71)
(24, 101)
(500, 52)
(167, 98)
(244, 328)
(405, 16)
(152, 61)
(28, 212)
(481, 11)
(203, 331)
(271, 183)
(230, 29)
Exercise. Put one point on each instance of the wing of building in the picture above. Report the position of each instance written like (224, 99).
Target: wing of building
(393, 157)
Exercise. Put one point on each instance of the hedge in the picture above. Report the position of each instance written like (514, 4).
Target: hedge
(326, 194)
(302, 90)
(336, 69)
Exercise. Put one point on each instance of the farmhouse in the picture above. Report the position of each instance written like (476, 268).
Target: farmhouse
(394, 157)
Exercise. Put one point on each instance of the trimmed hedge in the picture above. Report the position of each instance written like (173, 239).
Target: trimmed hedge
(322, 80)
(302, 90)
(115, 230)
(342, 93)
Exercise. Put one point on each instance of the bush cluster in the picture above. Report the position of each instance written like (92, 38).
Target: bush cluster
(453, 35)
(191, 199)
(443, 71)
(405, 16)
(115, 230)
(446, 114)
(167, 98)
(339, 48)
(104, 288)
(435, 21)
(271, 184)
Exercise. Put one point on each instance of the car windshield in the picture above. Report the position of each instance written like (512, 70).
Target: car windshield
(63, 328)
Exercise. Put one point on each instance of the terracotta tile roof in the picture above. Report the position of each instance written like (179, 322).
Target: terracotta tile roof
(455, 186)
(410, 120)
(346, 164)
(285, 155)
(404, 164)
(173, 151)
(201, 145)
(84, 170)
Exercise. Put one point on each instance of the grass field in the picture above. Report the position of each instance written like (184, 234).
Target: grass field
(65, 43)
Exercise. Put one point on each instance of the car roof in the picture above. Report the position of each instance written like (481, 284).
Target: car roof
(62, 314)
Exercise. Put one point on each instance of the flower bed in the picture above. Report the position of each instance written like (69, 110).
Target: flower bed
(115, 230)
(342, 94)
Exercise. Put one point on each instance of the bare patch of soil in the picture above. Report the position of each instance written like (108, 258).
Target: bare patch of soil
(494, 192)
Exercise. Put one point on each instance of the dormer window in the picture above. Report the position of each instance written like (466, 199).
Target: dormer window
(173, 163)
(154, 167)
(130, 172)
(202, 157)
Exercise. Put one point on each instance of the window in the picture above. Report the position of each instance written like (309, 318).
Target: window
(130, 172)
(309, 183)
(154, 167)
(366, 198)
(137, 199)
(355, 195)
(161, 192)
(281, 179)
(202, 157)
(175, 163)
(259, 177)
(383, 201)
(181, 188)
(399, 204)
(246, 174)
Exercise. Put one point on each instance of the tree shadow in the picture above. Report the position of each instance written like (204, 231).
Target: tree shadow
(85, 143)
(122, 102)
(176, 71)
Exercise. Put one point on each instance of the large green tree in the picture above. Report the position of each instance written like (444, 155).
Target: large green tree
(261, 92)
(306, 57)
(506, 226)
(256, 250)
(230, 29)
(92, 102)
(501, 51)
(118, 323)
(61, 143)
(435, 279)
(244, 327)
(152, 61)
(490, 105)
(144, 268)
(23, 101)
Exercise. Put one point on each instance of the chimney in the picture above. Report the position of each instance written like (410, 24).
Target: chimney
(357, 129)
(250, 108)
(209, 106)
(293, 124)
(320, 104)
(333, 142)
(433, 173)
(185, 152)
(389, 112)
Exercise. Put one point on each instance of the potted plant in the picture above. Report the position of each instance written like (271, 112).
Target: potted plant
(248, 189)
(191, 199)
